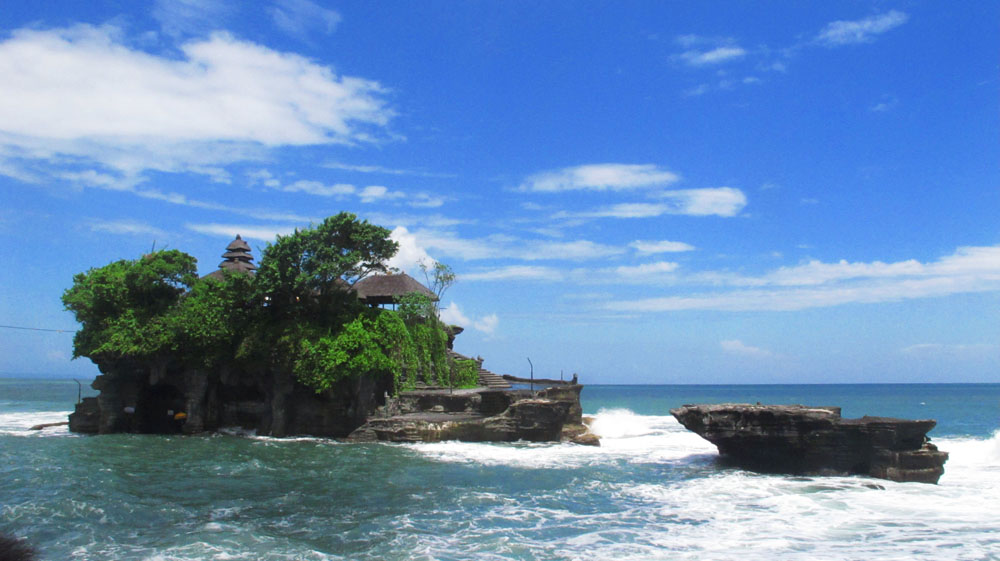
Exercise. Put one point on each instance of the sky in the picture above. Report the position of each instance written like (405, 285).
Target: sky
(637, 192)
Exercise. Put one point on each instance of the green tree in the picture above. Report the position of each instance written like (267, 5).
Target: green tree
(210, 321)
(439, 277)
(311, 269)
(123, 307)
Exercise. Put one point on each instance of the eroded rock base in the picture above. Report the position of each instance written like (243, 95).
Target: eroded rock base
(798, 439)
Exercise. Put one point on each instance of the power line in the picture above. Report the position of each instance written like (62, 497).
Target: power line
(37, 329)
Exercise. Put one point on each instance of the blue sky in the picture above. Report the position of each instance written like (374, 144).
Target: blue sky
(640, 192)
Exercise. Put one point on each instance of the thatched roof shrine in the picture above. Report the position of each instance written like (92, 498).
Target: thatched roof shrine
(383, 289)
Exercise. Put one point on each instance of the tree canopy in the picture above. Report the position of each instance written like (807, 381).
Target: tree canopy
(296, 314)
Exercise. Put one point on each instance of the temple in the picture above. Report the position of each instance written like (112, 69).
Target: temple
(167, 396)
(237, 258)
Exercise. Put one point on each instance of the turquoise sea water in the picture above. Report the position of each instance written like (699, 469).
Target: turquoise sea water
(651, 491)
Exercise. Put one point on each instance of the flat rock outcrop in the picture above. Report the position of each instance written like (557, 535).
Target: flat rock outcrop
(485, 415)
(798, 439)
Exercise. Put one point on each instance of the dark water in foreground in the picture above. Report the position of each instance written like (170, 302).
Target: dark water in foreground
(652, 491)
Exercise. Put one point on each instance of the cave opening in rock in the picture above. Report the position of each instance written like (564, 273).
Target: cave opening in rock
(158, 410)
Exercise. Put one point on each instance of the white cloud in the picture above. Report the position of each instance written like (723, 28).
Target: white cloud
(320, 189)
(299, 18)
(369, 194)
(426, 200)
(860, 31)
(697, 90)
(888, 103)
(374, 193)
(951, 350)
(718, 201)
(508, 247)
(190, 17)
(940, 348)
(487, 324)
(127, 227)
(735, 346)
(646, 269)
(265, 233)
(385, 170)
(816, 272)
(578, 250)
(621, 210)
(817, 285)
(410, 254)
(452, 315)
(713, 56)
(600, 177)
(80, 96)
(515, 273)
(660, 246)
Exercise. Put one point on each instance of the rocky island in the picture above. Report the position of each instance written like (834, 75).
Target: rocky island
(321, 339)
(802, 440)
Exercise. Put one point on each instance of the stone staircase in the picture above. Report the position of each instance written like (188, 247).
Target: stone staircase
(492, 381)
(487, 379)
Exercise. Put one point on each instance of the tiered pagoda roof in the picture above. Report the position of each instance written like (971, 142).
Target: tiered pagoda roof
(237, 258)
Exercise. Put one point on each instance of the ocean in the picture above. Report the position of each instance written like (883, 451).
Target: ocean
(652, 490)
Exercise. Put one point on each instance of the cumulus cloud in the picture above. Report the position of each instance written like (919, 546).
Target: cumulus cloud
(600, 177)
(860, 31)
(660, 246)
(82, 96)
(410, 254)
(452, 314)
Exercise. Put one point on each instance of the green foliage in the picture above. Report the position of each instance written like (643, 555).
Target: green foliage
(123, 307)
(465, 373)
(430, 346)
(363, 346)
(439, 277)
(208, 322)
(415, 307)
(296, 313)
(377, 342)
(307, 272)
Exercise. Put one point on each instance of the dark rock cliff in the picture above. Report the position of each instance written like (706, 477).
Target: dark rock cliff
(800, 439)
(164, 399)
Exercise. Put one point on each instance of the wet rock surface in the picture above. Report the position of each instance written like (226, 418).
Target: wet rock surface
(798, 439)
